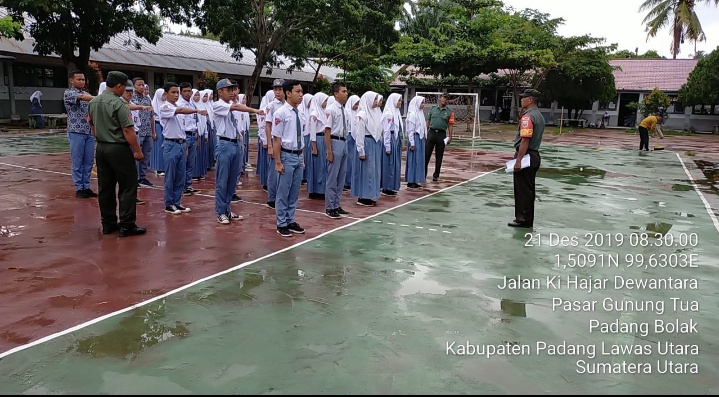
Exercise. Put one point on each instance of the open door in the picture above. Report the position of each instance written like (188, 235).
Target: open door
(627, 117)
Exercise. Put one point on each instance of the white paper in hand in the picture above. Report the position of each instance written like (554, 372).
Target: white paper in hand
(524, 164)
(446, 141)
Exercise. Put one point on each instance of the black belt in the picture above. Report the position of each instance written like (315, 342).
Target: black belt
(320, 134)
(180, 141)
(190, 133)
(341, 138)
(436, 130)
(368, 136)
(222, 138)
(291, 151)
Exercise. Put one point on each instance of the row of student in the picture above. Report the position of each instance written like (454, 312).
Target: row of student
(349, 143)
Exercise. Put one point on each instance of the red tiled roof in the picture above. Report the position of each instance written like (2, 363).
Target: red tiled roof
(645, 74)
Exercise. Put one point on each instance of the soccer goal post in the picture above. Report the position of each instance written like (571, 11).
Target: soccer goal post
(466, 112)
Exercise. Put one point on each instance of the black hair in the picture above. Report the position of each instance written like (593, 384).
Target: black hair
(113, 80)
(288, 85)
(169, 85)
(136, 79)
(74, 72)
(184, 85)
(336, 87)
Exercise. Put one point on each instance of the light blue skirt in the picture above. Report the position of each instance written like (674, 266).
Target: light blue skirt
(392, 165)
(307, 155)
(415, 161)
(366, 173)
(211, 150)
(262, 164)
(351, 154)
(316, 178)
(202, 159)
(156, 159)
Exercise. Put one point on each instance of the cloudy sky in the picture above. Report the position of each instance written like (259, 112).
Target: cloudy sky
(619, 21)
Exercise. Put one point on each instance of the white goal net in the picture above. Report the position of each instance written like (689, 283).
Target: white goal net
(466, 112)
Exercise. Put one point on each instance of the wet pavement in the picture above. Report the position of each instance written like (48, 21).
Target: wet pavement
(370, 308)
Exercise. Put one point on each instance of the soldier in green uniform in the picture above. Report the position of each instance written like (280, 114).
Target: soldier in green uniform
(529, 137)
(117, 150)
(440, 121)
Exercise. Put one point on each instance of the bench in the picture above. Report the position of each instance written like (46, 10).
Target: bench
(579, 123)
(51, 119)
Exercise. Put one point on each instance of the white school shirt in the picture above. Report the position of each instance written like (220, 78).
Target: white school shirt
(271, 108)
(189, 121)
(284, 126)
(412, 127)
(359, 136)
(223, 119)
(334, 120)
(388, 125)
(171, 125)
(136, 119)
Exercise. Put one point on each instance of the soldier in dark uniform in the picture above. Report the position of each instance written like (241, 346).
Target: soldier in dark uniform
(117, 150)
(440, 121)
(529, 137)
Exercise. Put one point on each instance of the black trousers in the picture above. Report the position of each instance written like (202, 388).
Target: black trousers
(524, 189)
(643, 138)
(116, 170)
(435, 139)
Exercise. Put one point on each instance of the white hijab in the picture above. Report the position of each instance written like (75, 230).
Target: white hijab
(102, 88)
(373, 117)
(305, 109)
(391, 109)
(351, 102)
(266, 100)
(201, 120)
(157, 102)
(36, 94)
(317, 111)
(416, 116)
(244, 120)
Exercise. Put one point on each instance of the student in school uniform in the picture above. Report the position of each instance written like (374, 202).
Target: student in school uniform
(336, 143)
(189, 125)
(146, 134)
(317, 123)
(269, 112)
(228, 151)
(352, 108)
(200, 169)
(156, 161)
(287, 136)
(379, 142)
(368, 138)
(243, 99)
(416, 137)
(211, 136)
(392, 129)
(174, 148)
(307, 153)
(262, 163)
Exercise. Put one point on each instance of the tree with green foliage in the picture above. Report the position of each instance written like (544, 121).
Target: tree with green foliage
(10, 28)
(702, 86)
(582, 77)
(624, 54)
(272, 29)
(74, 28)
(372, 78)
(356, 39)
(653, 101)
(679, 15)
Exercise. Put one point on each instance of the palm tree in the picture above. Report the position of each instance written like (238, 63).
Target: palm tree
(679, 15)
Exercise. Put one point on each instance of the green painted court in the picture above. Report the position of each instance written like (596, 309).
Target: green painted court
(383, 304)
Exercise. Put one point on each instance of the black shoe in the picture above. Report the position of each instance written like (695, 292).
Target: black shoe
(342, 212)
(295, 227)
(188, 192)
(317, 196)
(365, 202)
(90, 193)
(519, 224)
(347, 188)
(135, 231)
(145, 182)
(81, 194)
(271, 204)
(264, 188)
(284, 231)
(332, 214)
(236, 199)
(110, 229)
(435, 179)
(139, 202)
(373, 202)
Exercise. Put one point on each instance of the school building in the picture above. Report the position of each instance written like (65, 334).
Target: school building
(634, 78)
(175, 57)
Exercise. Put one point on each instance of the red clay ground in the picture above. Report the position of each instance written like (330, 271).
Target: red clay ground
(58, 270)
